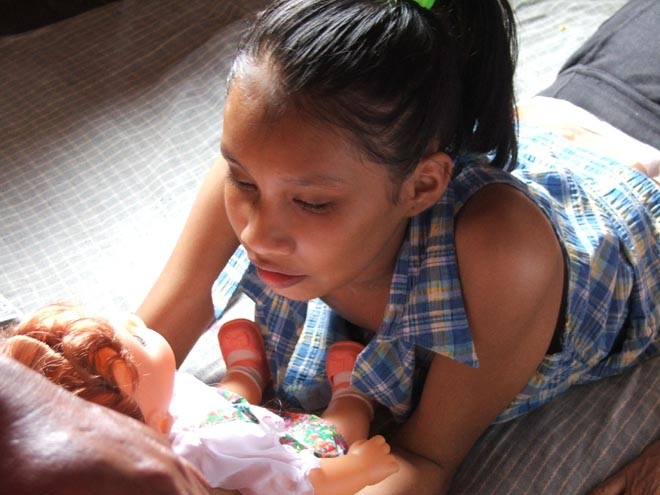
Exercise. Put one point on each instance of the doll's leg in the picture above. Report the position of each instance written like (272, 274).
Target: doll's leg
(349, 410)
(242, 348)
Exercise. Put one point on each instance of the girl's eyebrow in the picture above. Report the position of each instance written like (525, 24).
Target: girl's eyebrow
(229, 157)
(308, 181)
(317, 180)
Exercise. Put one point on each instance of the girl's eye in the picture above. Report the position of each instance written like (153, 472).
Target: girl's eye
(241, 184)
(314, 207)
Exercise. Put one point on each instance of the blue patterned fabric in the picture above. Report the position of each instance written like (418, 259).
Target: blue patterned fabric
(607, 218)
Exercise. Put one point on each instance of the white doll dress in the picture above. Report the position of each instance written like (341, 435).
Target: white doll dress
(236, 446)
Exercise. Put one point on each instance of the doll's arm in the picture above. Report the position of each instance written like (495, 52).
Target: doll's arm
(367, 462)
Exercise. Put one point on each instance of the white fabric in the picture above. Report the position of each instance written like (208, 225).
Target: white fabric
(589, 131)
(235, 454)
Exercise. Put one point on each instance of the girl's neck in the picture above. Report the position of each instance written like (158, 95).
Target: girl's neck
(362, 304)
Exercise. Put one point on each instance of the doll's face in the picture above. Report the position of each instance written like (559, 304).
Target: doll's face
(156, 366)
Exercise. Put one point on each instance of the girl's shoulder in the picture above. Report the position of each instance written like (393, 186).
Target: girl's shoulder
(500, 227)
(510, 263)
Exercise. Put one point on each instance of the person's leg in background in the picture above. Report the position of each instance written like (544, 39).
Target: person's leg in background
(615, 74)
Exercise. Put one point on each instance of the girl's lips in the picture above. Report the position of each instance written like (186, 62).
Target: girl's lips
(278, 280)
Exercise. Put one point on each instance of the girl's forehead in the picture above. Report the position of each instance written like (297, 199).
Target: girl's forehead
(256, 88)
(263, 126)
(254, 98)
(255, 118)
(259, 80)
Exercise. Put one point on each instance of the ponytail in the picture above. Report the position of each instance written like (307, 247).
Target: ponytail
(403, 80)
(486, 32)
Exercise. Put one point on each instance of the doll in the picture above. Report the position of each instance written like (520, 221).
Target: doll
(233, 442)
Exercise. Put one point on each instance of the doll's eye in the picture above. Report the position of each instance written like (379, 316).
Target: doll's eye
(142, 342)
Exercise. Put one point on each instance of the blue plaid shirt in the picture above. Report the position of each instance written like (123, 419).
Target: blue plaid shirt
(607, 218)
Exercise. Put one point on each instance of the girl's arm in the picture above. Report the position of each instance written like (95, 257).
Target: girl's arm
(512, 270)
(179, 304)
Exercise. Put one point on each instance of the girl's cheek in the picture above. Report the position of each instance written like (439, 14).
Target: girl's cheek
(234, 208)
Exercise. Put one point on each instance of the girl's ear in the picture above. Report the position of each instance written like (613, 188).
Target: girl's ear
(428, 182)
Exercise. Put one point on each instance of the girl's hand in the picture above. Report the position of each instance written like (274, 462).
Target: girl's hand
(640, 477)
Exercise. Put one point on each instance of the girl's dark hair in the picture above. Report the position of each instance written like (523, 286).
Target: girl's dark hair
(403, 80)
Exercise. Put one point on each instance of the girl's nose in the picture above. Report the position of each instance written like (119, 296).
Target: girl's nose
(266, 233)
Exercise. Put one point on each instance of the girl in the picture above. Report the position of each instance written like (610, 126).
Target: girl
(371, 175)
(131, 369)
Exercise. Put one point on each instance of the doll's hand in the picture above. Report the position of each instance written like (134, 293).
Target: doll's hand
(53, 442)
(375, 458)
(640, 477)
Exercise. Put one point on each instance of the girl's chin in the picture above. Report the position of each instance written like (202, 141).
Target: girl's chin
(297, 292)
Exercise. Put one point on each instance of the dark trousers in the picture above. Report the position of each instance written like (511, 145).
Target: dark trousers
(615, 75)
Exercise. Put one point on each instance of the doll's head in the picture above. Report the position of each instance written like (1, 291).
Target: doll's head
(124, 366)
(403, 80)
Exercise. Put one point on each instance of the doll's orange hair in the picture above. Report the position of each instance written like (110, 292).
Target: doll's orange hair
(76, 351)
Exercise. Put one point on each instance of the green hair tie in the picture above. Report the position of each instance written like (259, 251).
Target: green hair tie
(426, 4)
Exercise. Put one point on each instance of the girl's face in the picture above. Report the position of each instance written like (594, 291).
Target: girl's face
(316, 219)
(155, 365)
